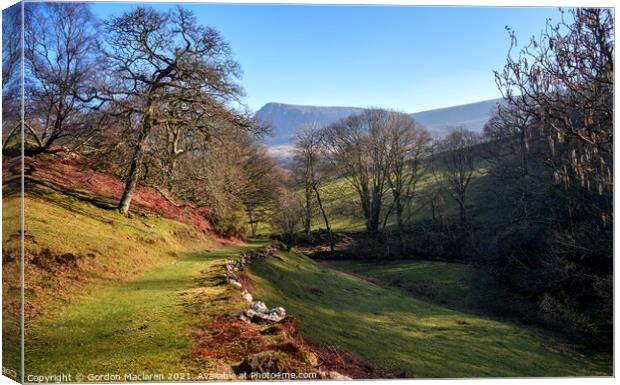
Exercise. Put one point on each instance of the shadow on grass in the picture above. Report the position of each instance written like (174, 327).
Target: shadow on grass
(402, 333)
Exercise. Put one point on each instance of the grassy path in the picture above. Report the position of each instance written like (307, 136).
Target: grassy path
(145, 325)
(403, 333)
(134, 327)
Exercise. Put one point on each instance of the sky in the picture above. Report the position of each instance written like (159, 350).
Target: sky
(408, 58)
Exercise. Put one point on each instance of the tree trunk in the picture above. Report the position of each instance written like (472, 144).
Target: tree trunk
(365, 201)
(399, 221)
(463, 212)
(375, 213)
(136, 162)
(252, 223)
(308, 216)
(329, 230)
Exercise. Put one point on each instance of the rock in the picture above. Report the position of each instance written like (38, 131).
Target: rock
(260, 313)
(263, 314)
(250, 314)
(259, 307)
(276, 315)
(247, 296)
(241, 316)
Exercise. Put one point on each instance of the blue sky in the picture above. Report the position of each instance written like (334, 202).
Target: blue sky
(407, 58)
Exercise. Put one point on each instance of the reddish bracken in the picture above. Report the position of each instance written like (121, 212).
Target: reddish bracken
(229, 339)
(244, 281)
(72, 171)
(332, 358)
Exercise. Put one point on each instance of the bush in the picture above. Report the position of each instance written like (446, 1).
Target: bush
(232, 222)
(286, 218)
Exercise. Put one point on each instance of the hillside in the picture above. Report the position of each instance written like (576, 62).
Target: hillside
(77, 243)
(286, 118)
(472, 116)
(152, 283)
(344, 212)
(408, 334)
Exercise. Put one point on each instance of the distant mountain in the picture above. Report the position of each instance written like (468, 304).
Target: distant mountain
(285, 119)
(472, 116)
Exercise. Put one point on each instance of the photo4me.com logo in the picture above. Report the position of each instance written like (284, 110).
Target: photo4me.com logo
(283, 376)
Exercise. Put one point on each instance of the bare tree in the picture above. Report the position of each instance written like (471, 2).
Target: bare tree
(11, 42)
(564, 82)
(286, 219)
(408, 148)
(303, 158)
(11, 71)
(63, 65)
(356, 148)
(309, 167)
(455, 165)
(159, 56)
(185, 130)
(231, 173)
(262, 180)
(554, 156)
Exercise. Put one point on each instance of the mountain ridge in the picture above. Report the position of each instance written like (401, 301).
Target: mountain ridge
(361, 108)
(286, 118)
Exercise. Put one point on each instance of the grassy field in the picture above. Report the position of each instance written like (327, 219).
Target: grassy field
(341, 203)
(73, 247)
(134, 327)
(403, 333)
(11, 289)
(458, 286)
(106, 293)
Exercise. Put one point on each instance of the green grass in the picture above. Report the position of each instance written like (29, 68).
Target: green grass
(107, 246)
(129, 301)
(11, 288)
(341, 202)
(400, 332)
(456, 285)
(138, 326)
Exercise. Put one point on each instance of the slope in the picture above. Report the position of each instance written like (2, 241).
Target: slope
(404, 333)
(140, 326)
(77, 244)
(110, 298)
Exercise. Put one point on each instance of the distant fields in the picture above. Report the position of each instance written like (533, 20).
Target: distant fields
(344, 212)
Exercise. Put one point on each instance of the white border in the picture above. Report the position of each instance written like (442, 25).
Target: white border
(484, 3)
